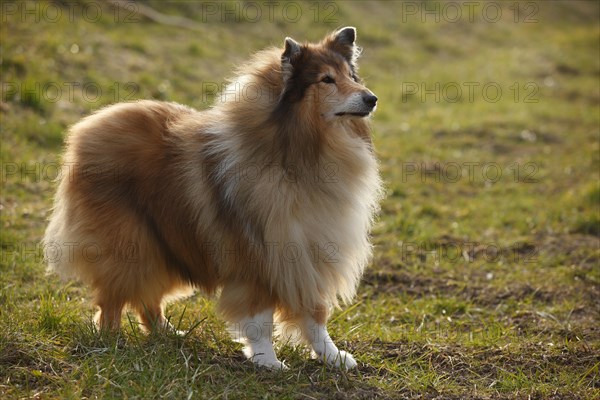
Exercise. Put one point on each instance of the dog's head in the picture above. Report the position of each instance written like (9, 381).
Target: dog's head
(322, 78)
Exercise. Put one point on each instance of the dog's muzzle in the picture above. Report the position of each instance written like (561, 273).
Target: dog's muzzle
(370, 100)
(365, 106)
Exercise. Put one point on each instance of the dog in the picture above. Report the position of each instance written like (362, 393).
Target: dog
(266, 198)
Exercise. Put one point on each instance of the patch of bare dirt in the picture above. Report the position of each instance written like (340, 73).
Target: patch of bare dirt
(485, 366)
(388, 281)
(581, 252)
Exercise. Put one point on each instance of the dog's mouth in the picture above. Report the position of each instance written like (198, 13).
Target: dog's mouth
(354, 114)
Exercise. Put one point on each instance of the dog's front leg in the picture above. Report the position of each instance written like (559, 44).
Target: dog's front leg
(317, 336)
(256, 332)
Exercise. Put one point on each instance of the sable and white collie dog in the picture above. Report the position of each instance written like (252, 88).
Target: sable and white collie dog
(267, 198)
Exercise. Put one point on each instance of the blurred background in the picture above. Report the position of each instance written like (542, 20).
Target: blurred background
(485, 280)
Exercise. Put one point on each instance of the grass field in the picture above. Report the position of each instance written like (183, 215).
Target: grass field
(485, 279)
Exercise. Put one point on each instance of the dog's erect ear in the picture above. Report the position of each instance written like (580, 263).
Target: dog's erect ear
(346, 36)
(292, 49)
(342, 41)
(290, 54)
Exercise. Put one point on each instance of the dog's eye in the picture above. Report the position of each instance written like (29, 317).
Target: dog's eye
(328, 79)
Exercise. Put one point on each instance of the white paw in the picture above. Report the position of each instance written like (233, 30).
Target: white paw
(341, 360)
(274, 365)
(265, 359)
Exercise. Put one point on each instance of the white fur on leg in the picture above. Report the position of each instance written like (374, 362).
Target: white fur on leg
(325, 349)
(256, 334)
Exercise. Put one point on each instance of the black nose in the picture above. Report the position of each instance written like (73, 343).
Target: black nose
(370, 99)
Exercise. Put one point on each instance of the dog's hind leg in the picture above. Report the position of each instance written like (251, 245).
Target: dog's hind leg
(109, 316)
(152, 316)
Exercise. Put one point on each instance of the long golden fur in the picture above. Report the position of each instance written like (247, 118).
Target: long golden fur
(267, 197)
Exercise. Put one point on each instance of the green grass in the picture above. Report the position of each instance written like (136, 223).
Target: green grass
(484, 285)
